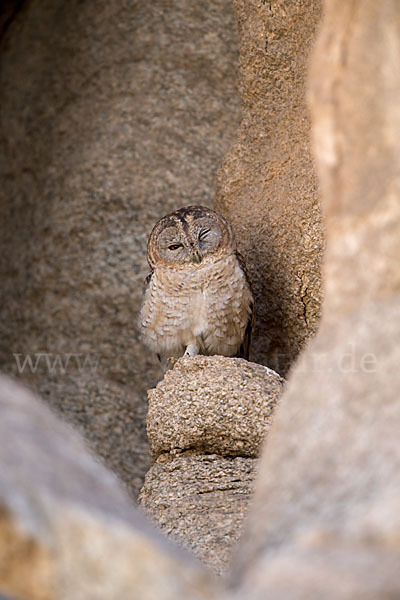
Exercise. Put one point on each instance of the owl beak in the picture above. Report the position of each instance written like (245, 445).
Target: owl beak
(196, 256)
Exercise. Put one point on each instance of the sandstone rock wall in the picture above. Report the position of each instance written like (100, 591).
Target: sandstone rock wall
(325, 521)
(112, 114)
(267, 185)
(67, 528)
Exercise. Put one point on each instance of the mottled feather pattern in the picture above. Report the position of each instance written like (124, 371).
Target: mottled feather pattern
(200, 298)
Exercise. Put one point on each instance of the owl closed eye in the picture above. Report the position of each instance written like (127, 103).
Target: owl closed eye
(187, 240)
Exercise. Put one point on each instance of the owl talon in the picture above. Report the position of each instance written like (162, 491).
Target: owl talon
(170, 363)
(191, 350)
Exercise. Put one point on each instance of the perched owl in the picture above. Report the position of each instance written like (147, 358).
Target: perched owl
(197, 299)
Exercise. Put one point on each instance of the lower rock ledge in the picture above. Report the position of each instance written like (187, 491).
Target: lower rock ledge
(200, 501)
(206, 423)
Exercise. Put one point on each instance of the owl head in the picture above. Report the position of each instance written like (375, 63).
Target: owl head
(189, 236)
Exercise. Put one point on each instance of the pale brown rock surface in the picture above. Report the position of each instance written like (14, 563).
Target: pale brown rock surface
(213, 404)
(267, 184)
(206, 422)
(112, 114)
(200, 502)
(67, 528)
(325, 520)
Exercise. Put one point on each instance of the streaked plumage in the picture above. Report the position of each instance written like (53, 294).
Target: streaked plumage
(197, 300)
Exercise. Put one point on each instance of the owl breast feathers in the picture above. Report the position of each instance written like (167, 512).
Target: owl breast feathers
(197, 299)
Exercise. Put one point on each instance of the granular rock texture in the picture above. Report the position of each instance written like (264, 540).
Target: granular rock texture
(67, 528)
(112, 114)
(206, 422)
(325, 522)
(267, 185)
(200, 501)
(213, 404)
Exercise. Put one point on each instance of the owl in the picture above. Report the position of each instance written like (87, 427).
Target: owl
(197, 299)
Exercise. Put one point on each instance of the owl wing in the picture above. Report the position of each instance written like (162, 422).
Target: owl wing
(145, 288)
(245, 346)
(147, 282)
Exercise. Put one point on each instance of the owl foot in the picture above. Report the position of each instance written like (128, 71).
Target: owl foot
(170, 363)
(191, 350)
